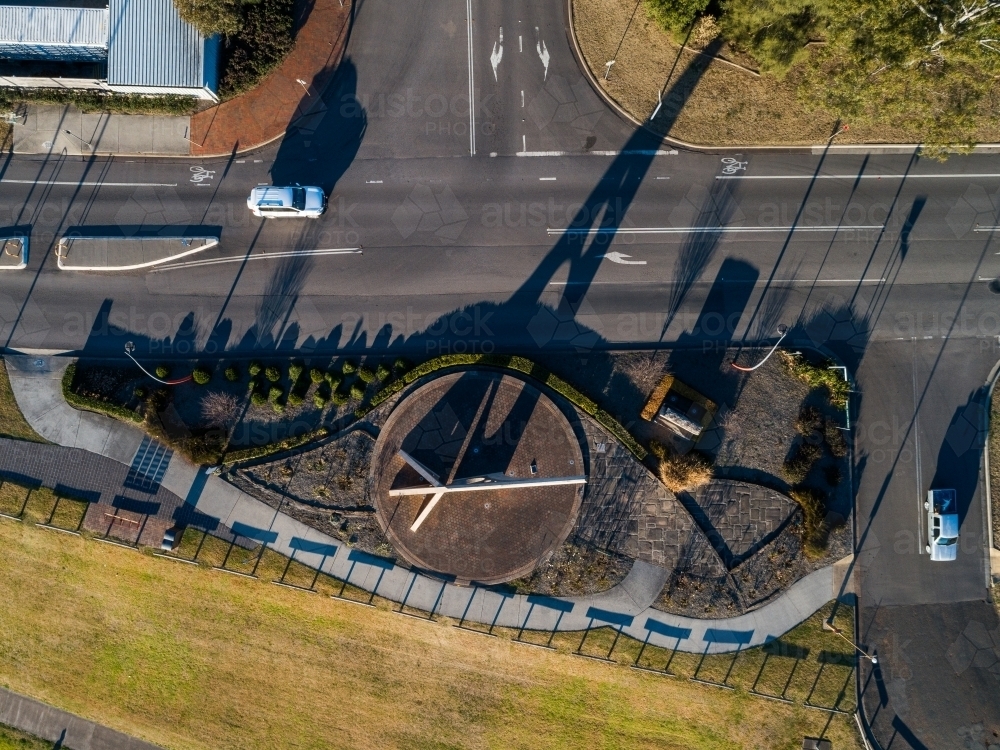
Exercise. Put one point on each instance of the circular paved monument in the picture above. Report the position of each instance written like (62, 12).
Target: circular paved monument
(468, 428)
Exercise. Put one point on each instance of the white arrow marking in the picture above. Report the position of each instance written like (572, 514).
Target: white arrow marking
(543, 53)
(616, 257)
(497, 55)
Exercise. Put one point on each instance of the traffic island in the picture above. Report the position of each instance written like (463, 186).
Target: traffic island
(126, 253)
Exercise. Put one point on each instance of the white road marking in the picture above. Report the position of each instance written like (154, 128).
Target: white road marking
(916, 455)
(524, 143)
(543, 53)
(373, 182)
(261, 256)
(497, 55)
(804, 282)
(92, 184)
(472, 83)
(704, 230)
(522, 98)
(616, 257)
(663, 178)
(544, 179)
(626, 152)
(520, 43)
(985, 229)
(851, 176)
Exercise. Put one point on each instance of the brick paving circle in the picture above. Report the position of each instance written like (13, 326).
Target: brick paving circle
(466, 424)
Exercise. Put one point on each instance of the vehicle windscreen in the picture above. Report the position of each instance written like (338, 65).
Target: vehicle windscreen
(299, 198)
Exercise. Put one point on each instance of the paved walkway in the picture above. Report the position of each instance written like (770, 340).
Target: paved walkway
(65, 729)
(36, 382)
(289, 93)
(55, 129)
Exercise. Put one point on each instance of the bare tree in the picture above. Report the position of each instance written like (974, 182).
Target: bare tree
(220, 409)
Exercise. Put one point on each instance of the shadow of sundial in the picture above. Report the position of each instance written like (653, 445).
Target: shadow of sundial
(478, 476)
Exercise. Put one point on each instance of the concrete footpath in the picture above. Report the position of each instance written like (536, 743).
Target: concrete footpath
(36, 382)
(61, 727)
(54, 129)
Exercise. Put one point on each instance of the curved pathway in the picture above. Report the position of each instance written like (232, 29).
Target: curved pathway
(36, 382)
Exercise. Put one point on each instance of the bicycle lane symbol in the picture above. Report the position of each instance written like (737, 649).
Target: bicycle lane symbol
(200, 174)
(732, 166)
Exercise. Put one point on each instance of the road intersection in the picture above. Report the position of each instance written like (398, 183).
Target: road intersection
(496, 227)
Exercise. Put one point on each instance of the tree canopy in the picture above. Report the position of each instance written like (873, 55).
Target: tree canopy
(211, 16)
(933, 62)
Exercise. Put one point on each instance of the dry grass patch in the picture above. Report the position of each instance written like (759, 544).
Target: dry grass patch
(12, 739)
(729, 106)
(190, 658)
(680, 472)
(12, 422)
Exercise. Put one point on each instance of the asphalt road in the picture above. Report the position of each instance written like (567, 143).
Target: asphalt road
(462, 214)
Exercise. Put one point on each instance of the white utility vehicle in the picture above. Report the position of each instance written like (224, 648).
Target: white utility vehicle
(942, 524)
(295, 201)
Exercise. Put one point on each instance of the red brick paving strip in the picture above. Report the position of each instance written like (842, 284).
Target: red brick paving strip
(263, 114)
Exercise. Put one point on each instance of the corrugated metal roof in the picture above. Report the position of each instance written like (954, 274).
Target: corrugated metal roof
(26, 24)
(150, 45)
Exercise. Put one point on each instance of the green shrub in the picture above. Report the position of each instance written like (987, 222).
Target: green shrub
(255, 368)
(93, 404)
(275, 393)
(348, 367)
(295, 371)
(201, 375)
(366, 375)
(316, 375)
(232, 374)
(259, 451)
(809, 421)
(252, 385)
(162, 372)
(833, 436)
(401, 364)
(98, 101)
(798, 465)
(294, 399)
(262, 41)
(278, 406)
(333, 380)
(819, 376)
(339, 398)
(258, 398)
(273, 374)
(320, 400)
(382, 372)
(139, 392)
(357, 391)
(676, 15)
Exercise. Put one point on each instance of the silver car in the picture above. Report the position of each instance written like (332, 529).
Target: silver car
(295, 201)
(942, 524)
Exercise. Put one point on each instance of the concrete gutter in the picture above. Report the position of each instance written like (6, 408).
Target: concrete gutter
(126, 253)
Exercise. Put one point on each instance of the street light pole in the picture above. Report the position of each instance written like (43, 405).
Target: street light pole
(130, 347)
(783, 330)
(88, 144)
(833, 629)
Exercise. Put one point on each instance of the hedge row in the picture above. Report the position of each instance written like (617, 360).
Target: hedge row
(93, 404)
(519, 364)
(259, 451)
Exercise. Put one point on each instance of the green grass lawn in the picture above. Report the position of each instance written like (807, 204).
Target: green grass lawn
(11, 739)
(12, 423)
(188, 657)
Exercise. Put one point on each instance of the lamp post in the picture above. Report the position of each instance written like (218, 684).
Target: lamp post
(833, 629)
(783, 330)
(88, 144)
(130, 347)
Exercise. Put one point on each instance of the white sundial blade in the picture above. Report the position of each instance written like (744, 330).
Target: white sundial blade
(427, 510)
(422, 470)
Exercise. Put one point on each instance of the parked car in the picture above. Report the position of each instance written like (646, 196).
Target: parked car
(294, 201)
(942, 524)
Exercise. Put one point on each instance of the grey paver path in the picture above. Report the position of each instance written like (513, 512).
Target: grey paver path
(55, 725)
(36, 382)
